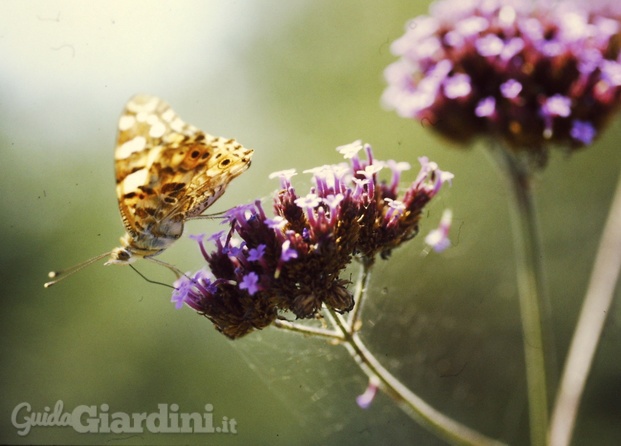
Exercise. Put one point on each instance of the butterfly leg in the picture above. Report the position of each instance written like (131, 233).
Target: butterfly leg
(178, 273)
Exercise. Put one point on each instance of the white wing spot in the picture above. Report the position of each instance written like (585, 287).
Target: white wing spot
(168, 115)
(177, 125)
(135, 179)
(142, 104)
(189, 129)
(126, 122)
(142, 116)
(157, 130)
(133, 145)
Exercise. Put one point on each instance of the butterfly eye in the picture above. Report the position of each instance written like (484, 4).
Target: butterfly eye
(122, 255)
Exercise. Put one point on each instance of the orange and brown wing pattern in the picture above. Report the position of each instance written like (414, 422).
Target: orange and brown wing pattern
(168, 171)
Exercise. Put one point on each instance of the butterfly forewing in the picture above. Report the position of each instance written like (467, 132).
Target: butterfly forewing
(168, 171)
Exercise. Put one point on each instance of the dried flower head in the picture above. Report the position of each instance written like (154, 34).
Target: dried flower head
(528, 73)
(292, 261)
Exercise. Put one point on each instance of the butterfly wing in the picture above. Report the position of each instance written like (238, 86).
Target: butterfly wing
(168, 171)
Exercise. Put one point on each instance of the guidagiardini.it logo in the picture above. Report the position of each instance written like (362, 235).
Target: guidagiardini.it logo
(98, 419)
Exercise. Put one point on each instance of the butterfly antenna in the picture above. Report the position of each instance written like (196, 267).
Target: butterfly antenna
(149, 280)
(214, 216)
(60, 275)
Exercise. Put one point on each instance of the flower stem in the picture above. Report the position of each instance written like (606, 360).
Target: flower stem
(362, 284)
(309, 331)
(534, 306)
(425, 415)
(345, 332)
(595, 308)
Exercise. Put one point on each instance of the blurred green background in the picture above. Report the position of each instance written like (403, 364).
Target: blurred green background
(292, 80)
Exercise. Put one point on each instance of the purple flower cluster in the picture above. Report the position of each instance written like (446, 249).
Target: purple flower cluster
(292, 261)
(517, 70)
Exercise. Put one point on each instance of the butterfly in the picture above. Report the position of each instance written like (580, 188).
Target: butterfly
(167, 172)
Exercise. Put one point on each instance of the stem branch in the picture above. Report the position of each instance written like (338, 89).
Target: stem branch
(306, 330)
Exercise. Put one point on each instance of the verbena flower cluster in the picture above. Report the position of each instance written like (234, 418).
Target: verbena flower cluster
(517, 70)
(291, 262)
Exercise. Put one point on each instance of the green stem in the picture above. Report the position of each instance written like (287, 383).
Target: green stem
(589, 328)
(346, 333)
(425, 415)
(533, 303)
(364, 277)
(306, 330)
